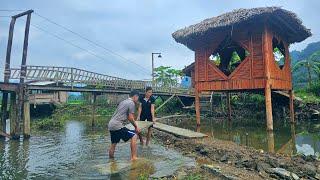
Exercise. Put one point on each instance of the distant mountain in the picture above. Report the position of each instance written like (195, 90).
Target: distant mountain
(300, 55)
(299, 76)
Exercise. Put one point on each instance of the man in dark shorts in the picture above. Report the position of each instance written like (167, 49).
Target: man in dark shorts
(125, 111)
(146, 111)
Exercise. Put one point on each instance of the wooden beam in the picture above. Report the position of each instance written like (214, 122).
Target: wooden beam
(180, 101)
(164, 103)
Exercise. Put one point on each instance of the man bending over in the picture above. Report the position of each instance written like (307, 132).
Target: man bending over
(125, 111)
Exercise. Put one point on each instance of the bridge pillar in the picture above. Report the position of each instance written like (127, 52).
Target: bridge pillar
(4, 111)
(26, 118)
(94, 99)
(14, 123)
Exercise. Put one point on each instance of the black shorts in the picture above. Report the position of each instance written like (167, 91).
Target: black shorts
(124, 133)
(145, 117)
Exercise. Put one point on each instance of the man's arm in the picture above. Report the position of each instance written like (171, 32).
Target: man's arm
(133, 122)
(153, 113)
(139, 111)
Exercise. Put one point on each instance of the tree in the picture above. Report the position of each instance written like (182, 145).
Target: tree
(312, 64)
(167, 76)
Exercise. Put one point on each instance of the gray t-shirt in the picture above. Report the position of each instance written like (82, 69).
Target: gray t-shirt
(120, 116)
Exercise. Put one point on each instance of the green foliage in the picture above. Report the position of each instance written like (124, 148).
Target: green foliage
(68, 111)
(167, 76)
(195, 176)
(48, 123)
(310, 94)
(306, 65)
(279, 57)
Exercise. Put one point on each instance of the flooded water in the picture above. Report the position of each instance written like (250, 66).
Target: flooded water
(303, 138)
(78, 152)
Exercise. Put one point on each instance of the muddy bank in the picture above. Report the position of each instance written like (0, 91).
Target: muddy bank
(231, 161)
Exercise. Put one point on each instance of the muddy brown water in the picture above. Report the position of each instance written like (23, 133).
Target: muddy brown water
(78, 152)
(301, 138)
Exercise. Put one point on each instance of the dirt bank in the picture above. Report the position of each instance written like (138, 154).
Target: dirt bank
(228, 160)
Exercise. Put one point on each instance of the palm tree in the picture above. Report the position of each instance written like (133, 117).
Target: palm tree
(312, 64)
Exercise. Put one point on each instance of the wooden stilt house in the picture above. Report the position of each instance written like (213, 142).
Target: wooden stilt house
(244, 50)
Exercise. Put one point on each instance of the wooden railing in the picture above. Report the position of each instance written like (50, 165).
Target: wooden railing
(75, 77)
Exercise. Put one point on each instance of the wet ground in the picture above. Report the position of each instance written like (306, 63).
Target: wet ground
(78, 152)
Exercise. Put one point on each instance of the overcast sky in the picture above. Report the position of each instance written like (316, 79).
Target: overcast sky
(131, 28)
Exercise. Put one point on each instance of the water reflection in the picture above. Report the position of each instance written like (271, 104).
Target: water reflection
(286, 138)
(78, 152)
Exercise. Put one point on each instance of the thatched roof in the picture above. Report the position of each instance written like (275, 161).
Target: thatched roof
(283, 21)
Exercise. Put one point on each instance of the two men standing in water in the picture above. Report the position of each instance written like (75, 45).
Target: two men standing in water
(126, 111)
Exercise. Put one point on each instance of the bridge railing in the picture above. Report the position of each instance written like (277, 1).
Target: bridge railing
(77, 77)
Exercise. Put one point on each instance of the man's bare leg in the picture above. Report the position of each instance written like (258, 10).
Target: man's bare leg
(141, 139)
(148, 136)
(133, 146)
(111, 150)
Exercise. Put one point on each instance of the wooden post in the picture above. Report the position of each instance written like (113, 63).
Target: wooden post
(26, 119)
(93, 109)
(267, 58)
(270, 138)
(229, 106)
(291, 106)
(4, 104)
(4, 111)
(268, 108)
(197, 106)
(14, 124)
(293, 138)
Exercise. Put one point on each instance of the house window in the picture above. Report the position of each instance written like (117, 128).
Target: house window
(228, 56)
(278, 52)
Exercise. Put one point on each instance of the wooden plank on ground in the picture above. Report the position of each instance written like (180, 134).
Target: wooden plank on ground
(141, 124)
(180, 132)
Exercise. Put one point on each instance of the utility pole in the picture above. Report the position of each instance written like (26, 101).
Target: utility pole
(152, 58)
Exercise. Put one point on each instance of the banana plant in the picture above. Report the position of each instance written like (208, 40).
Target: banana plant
(312, 64)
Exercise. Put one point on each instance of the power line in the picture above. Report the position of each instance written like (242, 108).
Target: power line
(92, 42)
(11, 10)
(68, 42)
